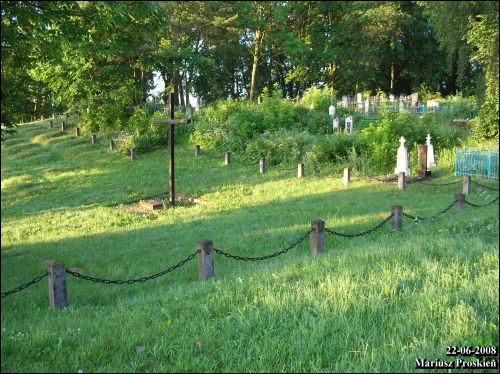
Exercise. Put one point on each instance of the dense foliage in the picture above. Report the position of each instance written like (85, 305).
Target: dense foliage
(98, 58)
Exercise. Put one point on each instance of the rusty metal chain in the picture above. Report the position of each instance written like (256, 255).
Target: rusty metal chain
(132, 281)
(246, 163)
(481, 205)
(260, 258)
(24, 286)
(482, 185)
(369, 231)
(441, 184)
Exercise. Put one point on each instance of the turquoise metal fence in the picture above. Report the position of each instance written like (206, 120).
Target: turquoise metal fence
(477, 163)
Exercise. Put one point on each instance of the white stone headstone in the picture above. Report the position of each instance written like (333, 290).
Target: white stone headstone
(391, 98)
(401, 105)
(402, 163)
(367, 106)
(335, 125)
(348, 125)
(331, 110)
(414, 99)
(430, 153)
(345, 100)
(359, 98)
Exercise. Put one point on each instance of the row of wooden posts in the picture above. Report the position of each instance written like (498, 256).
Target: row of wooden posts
(58, 295)
(262, 161)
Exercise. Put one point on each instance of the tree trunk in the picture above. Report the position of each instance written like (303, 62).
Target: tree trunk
(181, 90)
(258, 40)
(393, 75)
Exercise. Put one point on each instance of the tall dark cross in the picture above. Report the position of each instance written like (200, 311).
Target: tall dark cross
(171, 122)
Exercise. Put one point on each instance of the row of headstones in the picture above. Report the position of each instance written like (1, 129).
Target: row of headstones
(64, 123)
(404, 101)
(425, 158)
(349, 125)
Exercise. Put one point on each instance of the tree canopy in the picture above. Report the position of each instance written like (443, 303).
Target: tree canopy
(97, 58)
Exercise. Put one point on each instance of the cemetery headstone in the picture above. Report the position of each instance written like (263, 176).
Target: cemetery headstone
(348, 125)
(430, 153)
(402, 161)
(335, 125)
(414, 99)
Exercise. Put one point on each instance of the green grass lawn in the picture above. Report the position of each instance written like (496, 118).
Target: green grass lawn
(370, 304)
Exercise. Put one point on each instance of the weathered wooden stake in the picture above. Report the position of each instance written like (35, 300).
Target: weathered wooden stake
(58, 296)
(205, 259)
(300, 170)
(317, 237)
(197, 150)
(466, 189)
(262, 165)
(401, 180)
(347, 175)
(397, 218)
(111, 144)
(77, 131)
(94, 140)
(133, 155)
(460, 201)
(63, 126)
(227, 158)
(422, 160)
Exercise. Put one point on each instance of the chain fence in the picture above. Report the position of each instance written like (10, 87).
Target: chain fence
(260, 258)
(24, 286)
(483, 186)
(418, 218)
(132, 281)
(480, 205)
(363, 233)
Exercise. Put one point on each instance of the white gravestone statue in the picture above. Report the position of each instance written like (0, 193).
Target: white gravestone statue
(401, 105)
(402, 164)
(345, 101)
(430, 153)
(331, 110)
(348, 125)
(391, 98)
(335, 125)
(367, 106)
(359, 98)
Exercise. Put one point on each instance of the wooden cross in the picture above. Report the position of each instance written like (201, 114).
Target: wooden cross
(171, 122)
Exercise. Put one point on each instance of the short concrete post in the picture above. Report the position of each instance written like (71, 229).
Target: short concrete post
(401, 180)
(77, 131)
(111, 144)
(347, 175)
(227, 158)
(133, 155)
(300, 170)
(205, 259)
(58, 296)
(317, 237)
(63, 126)
(460, 201)
(262, 165)
(466, 189)
(397, 217)
(94, 140)
(197, 150)
(51, 124)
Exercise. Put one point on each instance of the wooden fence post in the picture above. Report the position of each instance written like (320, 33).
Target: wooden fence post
(94, 140)
(77, 131)
(397, 218)
(197, 151)
(460, 201)
(262, 165)
(133, 155)
(347, 175)
(227, 158)
(205, 259)
(466, 189)
(111, 144)
(58, 296)
(300, 170)
(63, 125)
(401, 180)
(317, 237)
